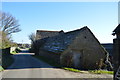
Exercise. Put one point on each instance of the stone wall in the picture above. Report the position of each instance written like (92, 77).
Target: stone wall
(75, 48)
(7, 59)
(54, 46)
(55, 57)
(37, 45)
(109, 48)
(40, 34)
(90, 53)
(6, 51)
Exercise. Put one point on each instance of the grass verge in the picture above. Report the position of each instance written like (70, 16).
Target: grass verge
(101, 72)
(71, 69)
(13, 52)
(89, 71)
(1, 68)
(17, 50)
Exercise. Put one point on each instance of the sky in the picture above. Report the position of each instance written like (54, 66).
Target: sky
(100, 17)
(60, 0)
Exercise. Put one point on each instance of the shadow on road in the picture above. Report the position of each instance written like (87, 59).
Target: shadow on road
(24, 60)
(24, 51)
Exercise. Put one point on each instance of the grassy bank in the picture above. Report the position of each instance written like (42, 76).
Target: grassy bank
(71, 69)
(89, 71)
(1, 68)
(101, 72)
(17, 50)
(52, 63)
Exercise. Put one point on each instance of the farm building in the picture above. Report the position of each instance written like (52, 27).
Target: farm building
(78, 48)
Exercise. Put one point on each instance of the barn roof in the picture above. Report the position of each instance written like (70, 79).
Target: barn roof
(60, 42)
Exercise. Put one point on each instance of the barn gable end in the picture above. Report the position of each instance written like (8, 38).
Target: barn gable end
(78, 48)
(88, 50)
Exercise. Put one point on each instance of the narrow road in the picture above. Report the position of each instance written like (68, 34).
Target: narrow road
(26, 66)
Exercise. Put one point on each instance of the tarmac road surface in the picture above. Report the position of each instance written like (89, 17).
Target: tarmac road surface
(26, 66)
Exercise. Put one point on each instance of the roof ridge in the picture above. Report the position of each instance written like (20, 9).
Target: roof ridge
(46, 31)
(83, 28)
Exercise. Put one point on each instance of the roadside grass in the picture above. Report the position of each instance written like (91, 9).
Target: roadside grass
(89, 71)
(17, 50)
(52, 63)
(27, 48)
(13, 52)
(101, 72)
(1, 68)
(71, 69)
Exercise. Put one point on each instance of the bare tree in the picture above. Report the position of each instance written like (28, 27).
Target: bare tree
(8, 23)
(32, 37)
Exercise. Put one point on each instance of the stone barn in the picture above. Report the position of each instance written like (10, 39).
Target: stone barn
(78, 49)
(41, 37)
(85, 52)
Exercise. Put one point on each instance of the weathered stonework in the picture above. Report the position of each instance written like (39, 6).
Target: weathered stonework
(40, 34)
(86, 50)
(78, 48)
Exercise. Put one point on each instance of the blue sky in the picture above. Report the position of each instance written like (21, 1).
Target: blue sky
(100, 17)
